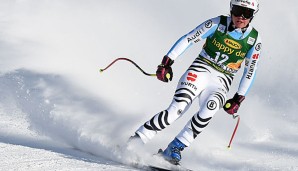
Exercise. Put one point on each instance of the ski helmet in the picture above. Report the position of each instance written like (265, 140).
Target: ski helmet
(251, 4)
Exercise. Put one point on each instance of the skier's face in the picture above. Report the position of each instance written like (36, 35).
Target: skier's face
(240, 22)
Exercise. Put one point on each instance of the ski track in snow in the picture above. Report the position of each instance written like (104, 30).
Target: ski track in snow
(22, 157)
(32, 139)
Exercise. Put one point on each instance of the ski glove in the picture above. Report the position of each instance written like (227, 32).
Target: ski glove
(232, 105)
(164, 71)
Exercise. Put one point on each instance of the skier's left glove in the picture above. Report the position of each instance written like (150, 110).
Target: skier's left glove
(164, 71)
(232, 105)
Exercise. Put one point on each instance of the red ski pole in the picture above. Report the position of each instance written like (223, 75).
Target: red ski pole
(129, 60)
(235, 129)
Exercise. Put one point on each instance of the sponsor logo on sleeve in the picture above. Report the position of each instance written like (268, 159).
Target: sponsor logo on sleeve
(208, 24)
(252, 66)
(255, 56)
(258, 47)
(195, 37)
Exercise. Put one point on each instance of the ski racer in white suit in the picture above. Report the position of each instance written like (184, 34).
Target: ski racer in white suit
(230, 40)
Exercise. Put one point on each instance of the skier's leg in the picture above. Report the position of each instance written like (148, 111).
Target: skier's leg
(211, 101)
(212, 88)
(185, 93)
(161, 120)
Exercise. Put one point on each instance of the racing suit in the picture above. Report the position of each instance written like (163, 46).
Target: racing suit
(210, 75)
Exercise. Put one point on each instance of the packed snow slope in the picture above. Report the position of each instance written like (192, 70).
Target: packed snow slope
(57, 112)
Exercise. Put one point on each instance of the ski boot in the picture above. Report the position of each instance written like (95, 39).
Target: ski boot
(173, 152)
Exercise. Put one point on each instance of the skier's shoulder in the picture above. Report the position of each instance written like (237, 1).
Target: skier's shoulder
(259, 38)
(210, 23)
(213, 21)
(220, 19)
(254, 39)
(255, 32)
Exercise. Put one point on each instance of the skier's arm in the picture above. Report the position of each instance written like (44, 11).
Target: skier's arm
(202, 31)
(251, 62)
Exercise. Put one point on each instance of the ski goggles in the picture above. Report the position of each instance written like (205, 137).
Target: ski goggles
(239, 11)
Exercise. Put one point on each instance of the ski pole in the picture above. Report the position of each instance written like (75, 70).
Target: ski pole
(235, 129)
(131, 61)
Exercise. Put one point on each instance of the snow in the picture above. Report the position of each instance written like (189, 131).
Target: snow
(57, 112)
(23, 157)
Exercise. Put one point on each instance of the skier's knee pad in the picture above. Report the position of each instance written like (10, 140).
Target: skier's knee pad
(174, 112)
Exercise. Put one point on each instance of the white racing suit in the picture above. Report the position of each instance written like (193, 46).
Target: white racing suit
(209, 77)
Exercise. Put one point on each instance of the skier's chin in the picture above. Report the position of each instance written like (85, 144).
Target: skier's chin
(240, 24)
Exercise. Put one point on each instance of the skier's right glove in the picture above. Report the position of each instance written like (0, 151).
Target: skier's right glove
(232, 105)
(164, 71)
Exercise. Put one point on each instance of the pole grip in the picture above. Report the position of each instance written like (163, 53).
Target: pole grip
(168, 75)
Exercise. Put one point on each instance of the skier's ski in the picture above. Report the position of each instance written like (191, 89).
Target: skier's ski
(158, 167)
(155, 168)
(172, 168)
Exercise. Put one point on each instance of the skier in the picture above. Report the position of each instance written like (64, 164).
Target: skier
(229, 41)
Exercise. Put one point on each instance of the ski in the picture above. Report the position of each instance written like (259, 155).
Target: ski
(158, 167)
(165, 165)
(173, 168)
(161, 165)
(155, 168)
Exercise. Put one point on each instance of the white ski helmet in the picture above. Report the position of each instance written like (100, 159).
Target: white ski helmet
(251, 4)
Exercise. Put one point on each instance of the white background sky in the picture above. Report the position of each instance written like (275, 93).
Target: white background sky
(60, 45)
